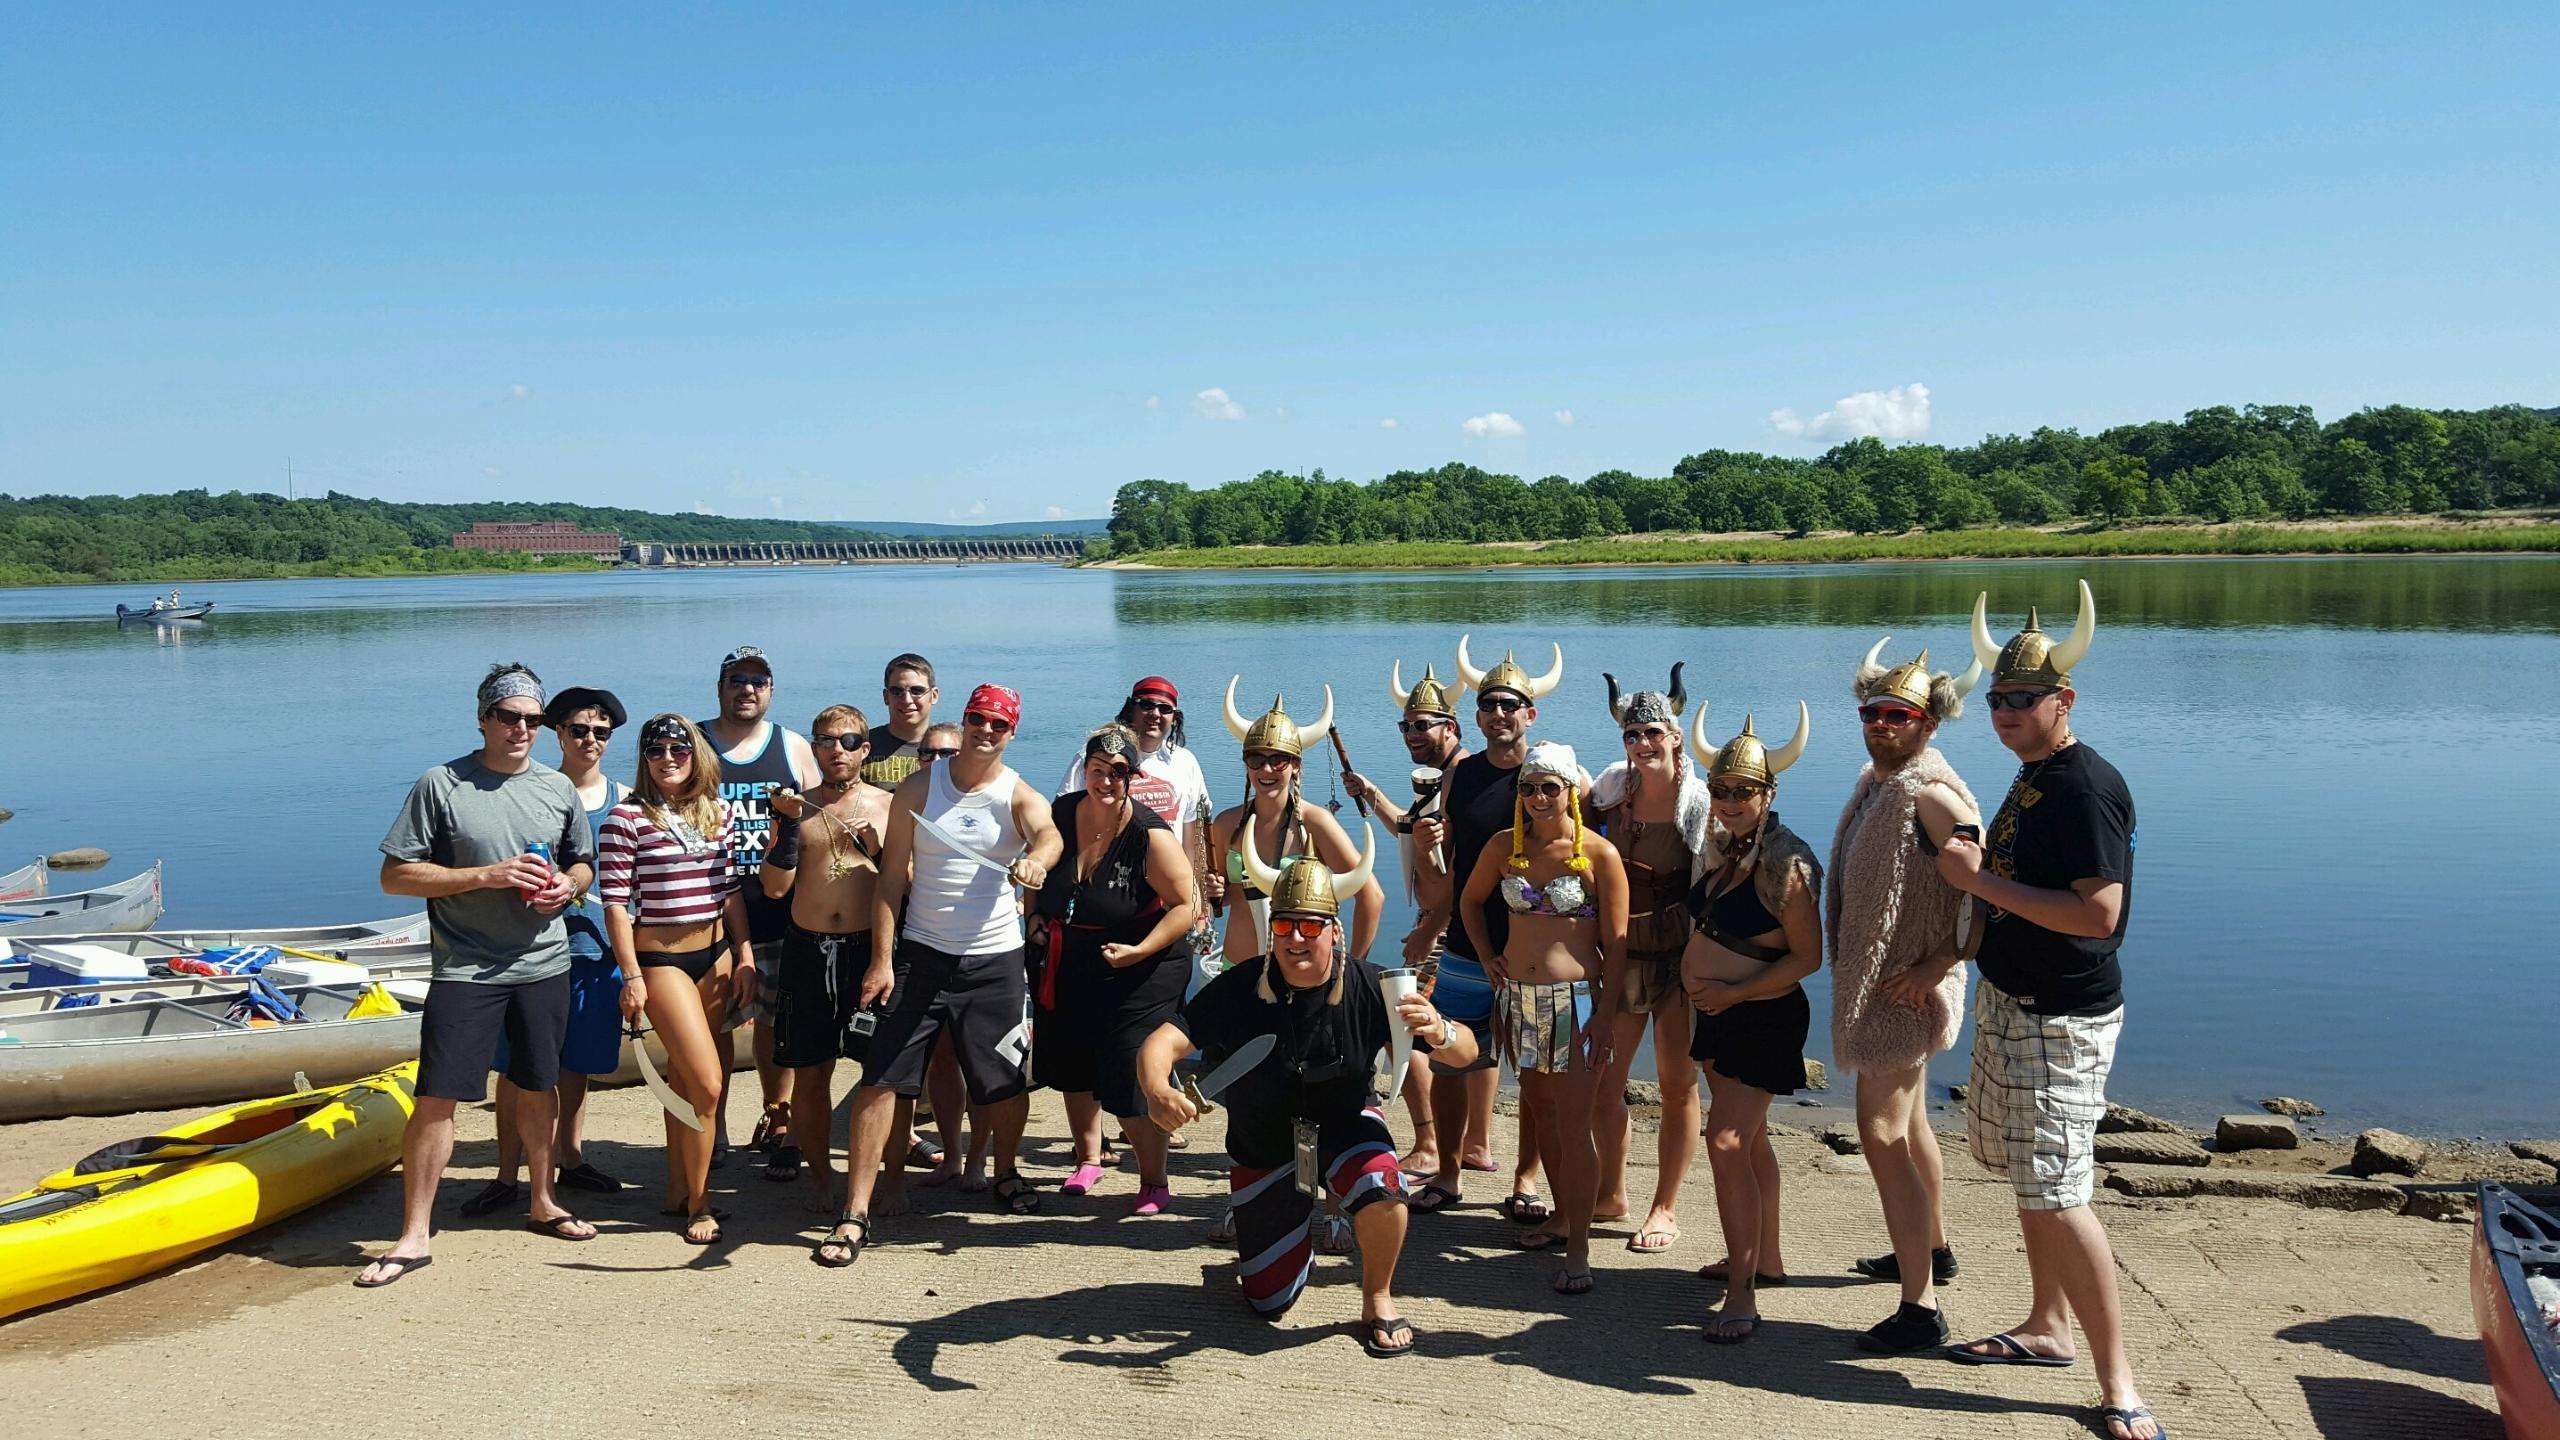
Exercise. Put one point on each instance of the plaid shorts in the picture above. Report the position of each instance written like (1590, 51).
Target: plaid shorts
(2039, 1089)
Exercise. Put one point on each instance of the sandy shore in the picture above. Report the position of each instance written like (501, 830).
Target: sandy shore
(2247, 1318)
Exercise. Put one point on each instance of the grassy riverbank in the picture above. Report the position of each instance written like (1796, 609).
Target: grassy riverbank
(191, 569)
(2409, 538)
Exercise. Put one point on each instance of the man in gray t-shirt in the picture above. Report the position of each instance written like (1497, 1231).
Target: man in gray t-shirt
(463, 843)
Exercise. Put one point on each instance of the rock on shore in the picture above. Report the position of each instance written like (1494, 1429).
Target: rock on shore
(86, 857)
(2320, 1192)
(2288, 1106)
(2124, 1117)
(2256, 1132)
(2146, 1147)
(2387, 1152)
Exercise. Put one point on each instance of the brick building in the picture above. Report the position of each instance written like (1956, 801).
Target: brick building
(540, 537)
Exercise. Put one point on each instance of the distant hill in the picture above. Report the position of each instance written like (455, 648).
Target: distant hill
(911, 528)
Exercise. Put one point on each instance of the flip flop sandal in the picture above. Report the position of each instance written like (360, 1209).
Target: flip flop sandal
(2012, 1351)
(400, 1265)
(583, 1176)
(1521, 1208)
(693, 1220)
(494, 1196)
(771, 1127)
(1177, 1141)
(785, 1164)
(1014, 1195)
(1716, 1332)
(1431, 1199)
(1333, 1235)
(851, 1245)
(678, 1212)
(1224, 1231)
(1374, 1336)
(1711, 1272)
(2129, 1416)
(1568, 1283)
(923, 1155)
(557, 1227)
(1666, 1239)
(1487, 1167)
(1537, 1240)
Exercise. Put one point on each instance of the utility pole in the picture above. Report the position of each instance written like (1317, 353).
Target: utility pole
(288, 478)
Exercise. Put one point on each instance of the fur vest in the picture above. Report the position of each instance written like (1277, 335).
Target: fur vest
(1778, 857)
(1887, 910)
(1689, 811)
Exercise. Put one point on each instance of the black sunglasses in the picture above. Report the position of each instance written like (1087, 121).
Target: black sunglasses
(666, 749)
(938, 752)
(1644, 731)
(978, 721)
(912, 692)
(517, 719)
(2016, 699)
(1505, 705)
(847, 743)
(576, 731)
(1547, 791)
(1152, 707)
(748, 682)
(1732, 793)
(1420, 727)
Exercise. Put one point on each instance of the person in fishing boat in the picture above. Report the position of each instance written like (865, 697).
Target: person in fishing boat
(1428, 722)
(825, 859)
(963, 834)
(678, 923)
(1275, 808)
(1898, 934)
(465, 843)
(1553, 972)
(1304, 1119)
(2055, 869)
(1653, 807)
(757, 757)
(582, 721)
(1111, 927)
(1755, 934)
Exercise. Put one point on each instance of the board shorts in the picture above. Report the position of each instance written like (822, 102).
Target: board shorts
(2039, 1090)
(1355, 1155)
(1463, 994)
(464, 1021)
(817, 990)
(982, 1001)
(593, 1044)
(1542, 1025)
(1089, 1044)
(1758, 1042)
(1652, 981)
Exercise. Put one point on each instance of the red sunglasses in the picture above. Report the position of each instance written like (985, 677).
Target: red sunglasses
(1302, 928)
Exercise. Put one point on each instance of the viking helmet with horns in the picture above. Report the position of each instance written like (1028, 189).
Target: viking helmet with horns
(1649, 707)
(1427, 697)
(1308, 886)
(1939, 696)
(1745, 757)
(2032, 657)
(1275, 731)
(1509, 676)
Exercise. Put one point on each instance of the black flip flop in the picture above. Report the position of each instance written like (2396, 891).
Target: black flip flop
(1445, 1197)
(785, 1162)
(401, 1266)
(1523, 1208)
(583, 1176)
(2012, 1351)
(692, 1220)
(1373, 1335)
(1714, 1336)
(923, 1155)
(557, 1227)
(851, 1245)
(2129, 1416)
(495, 1195)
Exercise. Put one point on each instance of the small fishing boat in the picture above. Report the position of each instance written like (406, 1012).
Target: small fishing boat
(168, 943)
(163, 610)
(25, 883)
(143, 1205)
(201, 1049)
(387, 964)
(127, 905)
(2514, 1244)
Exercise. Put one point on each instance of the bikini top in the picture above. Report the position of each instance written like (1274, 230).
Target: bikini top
(1235, 861)
(1562, 896)
(1732, 916)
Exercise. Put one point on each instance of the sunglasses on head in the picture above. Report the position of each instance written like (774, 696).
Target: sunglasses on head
(748, 682)
(666, 750)
(1303, 927)
(1503, 704)
(597, 733)
(1547, 789)
(1895, 716)
(2016, 699)
(517, 719)
(1732, 793)
(1152, 707)
(1420, 727)
(911, 692)
(976, 721)
(848, 742)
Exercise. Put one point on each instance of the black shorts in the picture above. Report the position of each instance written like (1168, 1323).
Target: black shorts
(459, 1030)
(1089, 1044)
(817, 983)
(984, 1003)
(1758, 1042)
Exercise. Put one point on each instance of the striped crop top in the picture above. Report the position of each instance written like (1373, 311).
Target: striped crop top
(662, 877)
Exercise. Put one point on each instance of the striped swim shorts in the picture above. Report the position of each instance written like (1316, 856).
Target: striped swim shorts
(2039, 1090)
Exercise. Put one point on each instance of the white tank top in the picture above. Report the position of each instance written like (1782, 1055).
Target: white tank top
(956, 905)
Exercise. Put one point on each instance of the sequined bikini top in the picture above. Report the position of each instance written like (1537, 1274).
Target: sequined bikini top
(1563, 896)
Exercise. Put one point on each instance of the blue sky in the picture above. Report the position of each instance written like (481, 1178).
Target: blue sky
(990, 261)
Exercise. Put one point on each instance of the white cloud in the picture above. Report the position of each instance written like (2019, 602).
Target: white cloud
(519, 392)
(976, 510)
(1565, 418)
(1214, 404)
(1055, 512)
(491, 471)
(1155, 402)
(1387, 424)
(1901, 413)
(1494, 423)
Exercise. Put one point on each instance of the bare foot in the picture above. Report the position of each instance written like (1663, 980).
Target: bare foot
(976, 1181)
(1421, 1161)
(1480, 1160)
(890, 1200)
(940, 1175)
(824, 1197)
(1608, 1213)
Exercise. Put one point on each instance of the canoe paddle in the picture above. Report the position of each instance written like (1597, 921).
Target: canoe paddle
(668, 1100)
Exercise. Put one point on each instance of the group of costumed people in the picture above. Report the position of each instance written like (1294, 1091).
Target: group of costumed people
(1559, 914)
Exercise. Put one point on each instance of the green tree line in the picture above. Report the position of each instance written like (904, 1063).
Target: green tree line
(195, 533)
(2219, 463)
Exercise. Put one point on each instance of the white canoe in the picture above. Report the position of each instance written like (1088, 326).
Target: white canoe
(126, 906)
(170, 941)
(397, 963)
(164, 1054)
(24, 884)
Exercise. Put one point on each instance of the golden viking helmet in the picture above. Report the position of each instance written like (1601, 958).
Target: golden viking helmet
(2032, 657)
(1275, 731)
(1309, 886)
(1745, 757)
(1428, 695)
(1913, 685)
(1509, 676)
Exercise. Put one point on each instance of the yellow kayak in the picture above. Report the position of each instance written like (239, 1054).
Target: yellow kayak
(146, 1204)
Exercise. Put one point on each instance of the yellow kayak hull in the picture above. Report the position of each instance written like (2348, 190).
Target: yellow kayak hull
(202, 1183)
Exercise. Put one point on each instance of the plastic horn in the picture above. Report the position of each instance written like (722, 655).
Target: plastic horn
(2071, 650)
(1787, 754)
(1986, 654)
(1393, 986)
(1235, 722)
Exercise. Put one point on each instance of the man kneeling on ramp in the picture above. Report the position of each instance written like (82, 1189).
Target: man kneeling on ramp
(1305, 1115)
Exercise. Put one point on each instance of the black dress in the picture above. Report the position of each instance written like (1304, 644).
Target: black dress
(1090, 1017)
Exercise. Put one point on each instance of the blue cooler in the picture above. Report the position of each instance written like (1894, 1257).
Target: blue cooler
(51, 965)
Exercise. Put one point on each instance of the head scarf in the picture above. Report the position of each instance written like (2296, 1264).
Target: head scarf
(509, 682)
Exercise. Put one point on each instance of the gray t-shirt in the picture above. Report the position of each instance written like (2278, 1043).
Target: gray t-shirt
(462, 814)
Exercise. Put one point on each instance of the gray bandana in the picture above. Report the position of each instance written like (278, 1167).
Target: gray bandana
(509, 685)
(1648, 707)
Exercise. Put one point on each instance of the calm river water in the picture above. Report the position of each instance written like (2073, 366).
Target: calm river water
(2347, 770)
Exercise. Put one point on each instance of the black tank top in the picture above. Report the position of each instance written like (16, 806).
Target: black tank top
(1478, 804)
(747, 787)
(1735, 919)
(1116, 896)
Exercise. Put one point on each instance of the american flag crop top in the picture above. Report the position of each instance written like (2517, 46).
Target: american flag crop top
(662, 878)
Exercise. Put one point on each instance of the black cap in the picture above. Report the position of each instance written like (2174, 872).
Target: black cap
(584, 697)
